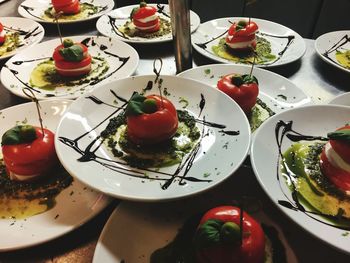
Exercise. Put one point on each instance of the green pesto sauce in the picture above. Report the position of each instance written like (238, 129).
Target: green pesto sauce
(24, 199)
(44, 75)
(263, 52)
(130, 30)
(260, 113)
(11, 43)
(314, 189)
(86, 10)
(162, 154)
(343, 58)
(182, 249)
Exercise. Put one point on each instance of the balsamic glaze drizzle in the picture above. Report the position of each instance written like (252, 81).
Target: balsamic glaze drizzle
(29, 10)
(115, 28)
(160, 10)
(87, 42)
(282, 130)
(27, 34)
(88, 154)
(344, 40)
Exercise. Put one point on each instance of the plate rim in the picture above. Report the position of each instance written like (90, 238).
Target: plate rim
(263, 185)
(157, 199)
(225, 61)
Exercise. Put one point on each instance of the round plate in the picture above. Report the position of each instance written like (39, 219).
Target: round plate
(342, 99)
(30, 33)
(121, 58)
(155, 225)
(108, 24)
(328, 44)
(34, 9)
(63, 217)
(277, 92)
(210, 33)
(313, 121)
(217, 156)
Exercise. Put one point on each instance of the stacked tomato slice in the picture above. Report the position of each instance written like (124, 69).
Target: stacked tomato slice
(2, 34)
(335, 161)
(241, 35)
(66, 6)
(145, 18)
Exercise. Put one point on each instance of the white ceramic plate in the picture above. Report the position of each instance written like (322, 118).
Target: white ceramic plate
(108, 24)
(210, 33)
(313, 121)
(342, 99)
(276, 91)
(46, 226)
(121, 58)
(328, 44)
(30, 33)
(34, 9)
(152, 226)
(218, 155)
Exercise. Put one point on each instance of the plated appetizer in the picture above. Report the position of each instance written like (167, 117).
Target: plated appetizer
(334, 48)
(71, 10)
(243, 45)
(30, 175)
(240, 40)
(322, 174)
(72, 59)
(244, 89)
(146, 23)
(224, 234)
(151, 132)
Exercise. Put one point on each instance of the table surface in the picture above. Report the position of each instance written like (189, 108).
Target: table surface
(318, 79)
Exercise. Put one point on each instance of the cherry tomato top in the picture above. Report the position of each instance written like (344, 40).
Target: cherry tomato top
(42, 148)
(58, 57)
(342, 147)
(243, 28)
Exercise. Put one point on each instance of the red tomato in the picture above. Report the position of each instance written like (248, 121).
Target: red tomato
(2, 39)
(244, 94)
(341, 147)
(32, 158)
(247, 30)
(66, 6)
(337, 176)
(154, 127)
(72, 68)
(239, 39)
(252, 248)
(144, 12)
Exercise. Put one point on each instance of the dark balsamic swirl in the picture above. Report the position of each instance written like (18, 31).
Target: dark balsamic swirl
(30, 10)
(88, 154)
(285, 130)
(343, 41)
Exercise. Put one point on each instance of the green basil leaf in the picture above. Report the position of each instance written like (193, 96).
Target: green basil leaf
(135, 105)
(19, 134)
(247, 79)
(73, 53)
(343, 135)
(208, 234)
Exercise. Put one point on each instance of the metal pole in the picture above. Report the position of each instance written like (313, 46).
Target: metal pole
(180, 23)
